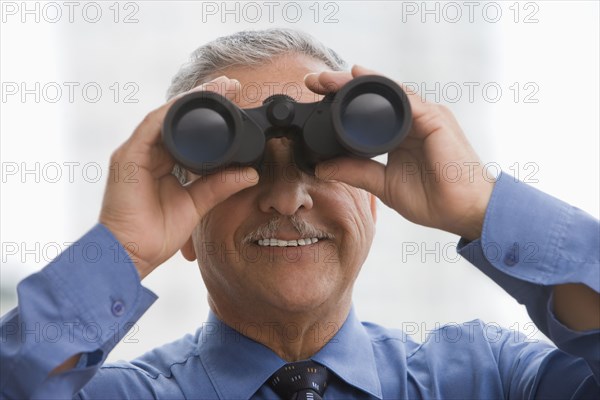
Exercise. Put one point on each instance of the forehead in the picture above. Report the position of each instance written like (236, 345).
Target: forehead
(281, 75)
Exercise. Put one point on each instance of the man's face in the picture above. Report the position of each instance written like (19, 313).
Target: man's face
(243, 275)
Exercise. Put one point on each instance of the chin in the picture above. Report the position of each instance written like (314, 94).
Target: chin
(300, 298)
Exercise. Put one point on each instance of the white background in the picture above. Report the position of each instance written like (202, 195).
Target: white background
(555, 54)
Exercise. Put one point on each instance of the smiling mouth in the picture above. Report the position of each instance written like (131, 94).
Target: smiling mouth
(286, 232)
(272, 242)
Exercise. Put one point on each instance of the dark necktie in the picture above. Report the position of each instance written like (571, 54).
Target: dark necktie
(302, 380)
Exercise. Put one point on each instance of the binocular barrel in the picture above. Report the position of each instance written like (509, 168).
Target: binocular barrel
(368, 116)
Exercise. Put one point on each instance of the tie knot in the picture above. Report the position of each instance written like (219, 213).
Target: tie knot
(300, 380)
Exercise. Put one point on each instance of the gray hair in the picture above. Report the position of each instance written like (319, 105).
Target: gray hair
(243, 49)
(249, 48)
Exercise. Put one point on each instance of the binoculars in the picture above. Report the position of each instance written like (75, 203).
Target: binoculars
(368, 116)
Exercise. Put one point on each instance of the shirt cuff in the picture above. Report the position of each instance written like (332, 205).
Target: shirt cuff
(98, 278)
(83, 302)
(531, 241)
(534, 237)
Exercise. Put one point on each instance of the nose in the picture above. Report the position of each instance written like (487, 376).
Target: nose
(284, 188)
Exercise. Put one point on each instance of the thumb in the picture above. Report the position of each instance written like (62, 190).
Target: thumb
(209, 190)
(362, 173)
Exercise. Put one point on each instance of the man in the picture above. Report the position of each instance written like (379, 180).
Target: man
(256, 290)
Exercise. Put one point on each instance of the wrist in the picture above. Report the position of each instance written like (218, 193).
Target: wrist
(129, 250)
(473, 227)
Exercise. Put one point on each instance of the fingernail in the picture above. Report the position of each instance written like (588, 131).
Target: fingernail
(251, 175)
(195, 89)
(364, 70)
(307, 75)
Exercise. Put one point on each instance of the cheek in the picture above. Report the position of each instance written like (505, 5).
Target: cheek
(354, 208)
(224, 218)
(207, 239)
(350, 210)
(210, 242)
(218, 227)
(364, 212)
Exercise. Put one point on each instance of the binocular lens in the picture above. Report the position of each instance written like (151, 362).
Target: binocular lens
(371, 117)
(202, 134)
(370, 121)
(200, 131)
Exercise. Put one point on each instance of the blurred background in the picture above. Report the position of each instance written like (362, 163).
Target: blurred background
(521, 78)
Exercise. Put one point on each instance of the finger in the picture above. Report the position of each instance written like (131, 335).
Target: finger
(228, 88)
(161, 162)
(359, 172)
(359, 70)
(327, 81)
(209, 190)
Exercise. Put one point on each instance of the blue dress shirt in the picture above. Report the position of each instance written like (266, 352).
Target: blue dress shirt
(85, 301)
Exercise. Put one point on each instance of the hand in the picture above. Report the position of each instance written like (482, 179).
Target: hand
(150, 212)
(412, 182)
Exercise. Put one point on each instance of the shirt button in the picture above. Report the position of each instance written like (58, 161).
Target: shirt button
(118, 308)
(512, 255)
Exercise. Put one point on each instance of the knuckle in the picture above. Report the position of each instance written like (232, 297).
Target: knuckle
(150, 122)
(217, 85)
(150, 117)
(116, 155)
(443, 109)
(446, 112)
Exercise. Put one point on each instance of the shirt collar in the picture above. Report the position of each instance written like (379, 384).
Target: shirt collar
(349, 354)
(238, 366)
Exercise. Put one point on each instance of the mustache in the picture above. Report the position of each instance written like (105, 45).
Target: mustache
(269, 230)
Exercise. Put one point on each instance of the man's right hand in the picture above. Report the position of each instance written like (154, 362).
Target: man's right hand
(145, 207)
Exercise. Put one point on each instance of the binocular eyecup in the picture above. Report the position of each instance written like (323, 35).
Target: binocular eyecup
(369, 116)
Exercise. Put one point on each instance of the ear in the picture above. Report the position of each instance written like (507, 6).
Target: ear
(188, 251)
(373, 206)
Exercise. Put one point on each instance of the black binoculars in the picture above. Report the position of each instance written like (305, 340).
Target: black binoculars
(368, 116)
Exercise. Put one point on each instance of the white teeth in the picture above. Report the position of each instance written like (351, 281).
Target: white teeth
(286, 243)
